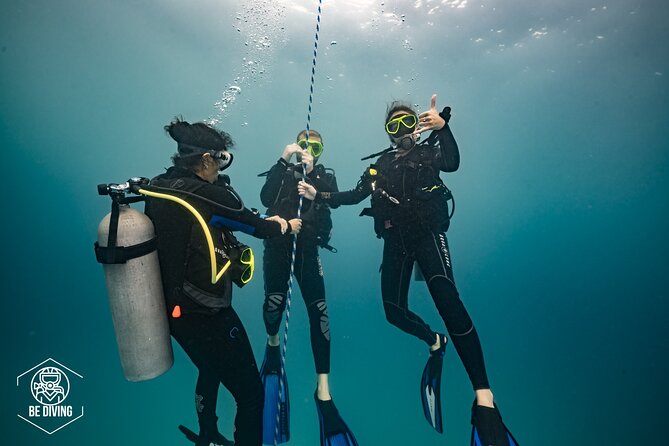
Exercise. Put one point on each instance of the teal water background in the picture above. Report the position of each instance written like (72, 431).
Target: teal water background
(559, 239)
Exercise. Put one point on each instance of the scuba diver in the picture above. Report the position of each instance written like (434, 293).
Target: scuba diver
(280, 195)
(409, 205)
(201, 317)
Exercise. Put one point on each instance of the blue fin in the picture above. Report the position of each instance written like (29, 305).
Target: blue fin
(430, 387)
(334, 431)
(489, 422)
(270, 373)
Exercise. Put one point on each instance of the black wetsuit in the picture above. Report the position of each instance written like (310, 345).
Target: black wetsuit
(208, 328)
(413, 228)
(280, 195)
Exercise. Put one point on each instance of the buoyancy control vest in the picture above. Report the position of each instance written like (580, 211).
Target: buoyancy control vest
(316, 217)
(421, 197)
(182, 246)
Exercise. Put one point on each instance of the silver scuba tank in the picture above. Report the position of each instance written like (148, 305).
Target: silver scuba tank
(136, 297)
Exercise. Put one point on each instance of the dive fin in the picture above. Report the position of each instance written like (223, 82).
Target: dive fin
(195, 438)
(275, 407)
(488, 429)
(334, 431)
(430, 386)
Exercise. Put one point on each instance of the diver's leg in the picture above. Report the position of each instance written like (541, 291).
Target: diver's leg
(206, 395)
(238, 372)
(185, 331)
(276, 271)
(434, 259)
(219, 345)
(309, 275)
(396, 270)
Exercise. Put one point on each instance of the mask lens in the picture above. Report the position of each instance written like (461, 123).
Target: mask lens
(247, 256)
(316, 149)
(392, 127)
(408, 121)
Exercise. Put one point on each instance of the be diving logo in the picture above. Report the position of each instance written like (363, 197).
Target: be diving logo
(50, 403)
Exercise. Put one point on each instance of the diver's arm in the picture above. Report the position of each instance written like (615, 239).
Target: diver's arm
(233, 215)
(354, 196)
(449, 154)
(272, 187)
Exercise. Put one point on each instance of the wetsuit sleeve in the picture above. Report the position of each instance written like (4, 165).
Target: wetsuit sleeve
(354, 196)
(448, 158)
(272, 187)
(243, 220)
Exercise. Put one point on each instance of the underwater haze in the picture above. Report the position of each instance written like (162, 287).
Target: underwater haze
(559, 239)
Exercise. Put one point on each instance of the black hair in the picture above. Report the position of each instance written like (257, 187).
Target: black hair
(396, 106)
(311, 133)
(195, 139)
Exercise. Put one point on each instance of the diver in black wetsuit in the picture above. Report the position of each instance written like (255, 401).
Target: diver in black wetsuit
(279, 194)
(410, 211)
(201, 316)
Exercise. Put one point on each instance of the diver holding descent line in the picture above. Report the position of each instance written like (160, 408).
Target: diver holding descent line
(280, 195)
(410, 210)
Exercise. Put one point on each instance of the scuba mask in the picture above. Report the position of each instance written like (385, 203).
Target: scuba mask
(223, 158)
(315, 148)
(401, 125)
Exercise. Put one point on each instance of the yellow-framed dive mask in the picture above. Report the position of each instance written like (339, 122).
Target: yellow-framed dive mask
(243, 264)
(315, 148)
(408, 121)
(247, 260)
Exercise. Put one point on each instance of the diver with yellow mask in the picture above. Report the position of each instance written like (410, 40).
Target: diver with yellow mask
(280, 195)
(411, 213)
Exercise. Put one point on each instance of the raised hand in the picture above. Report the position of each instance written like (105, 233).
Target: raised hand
(289, 151)
(430, 120)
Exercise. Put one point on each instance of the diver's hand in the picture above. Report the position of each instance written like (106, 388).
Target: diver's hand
(430, 120)
(306, 190)
(289, 151)
(281, 221)
(305, 158)
(295, 225)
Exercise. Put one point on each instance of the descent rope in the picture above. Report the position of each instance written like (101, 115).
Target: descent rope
(299, 212)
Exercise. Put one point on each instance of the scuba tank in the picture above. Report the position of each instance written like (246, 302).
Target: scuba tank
(126, 247)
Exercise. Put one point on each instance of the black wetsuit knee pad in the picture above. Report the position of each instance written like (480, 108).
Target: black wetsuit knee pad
(272, 311)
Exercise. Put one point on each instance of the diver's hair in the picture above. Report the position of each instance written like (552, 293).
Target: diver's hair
(199, 136)
(303, 133)
(398, 106)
